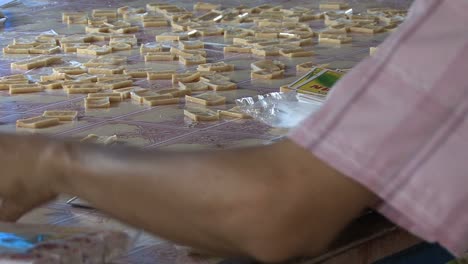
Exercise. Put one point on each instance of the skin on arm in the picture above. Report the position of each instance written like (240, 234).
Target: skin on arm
(270, 202)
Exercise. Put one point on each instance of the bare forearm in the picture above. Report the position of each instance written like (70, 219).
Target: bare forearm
(230, 202)
(186, 197)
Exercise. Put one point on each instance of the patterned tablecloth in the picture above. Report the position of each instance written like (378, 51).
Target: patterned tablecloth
(162, 127)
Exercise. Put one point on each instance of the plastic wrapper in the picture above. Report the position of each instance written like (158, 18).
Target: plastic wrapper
(281, 110)
(3, 18)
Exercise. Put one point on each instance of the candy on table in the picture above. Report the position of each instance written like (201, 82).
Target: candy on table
(209, 31)
(272, 65)
(138, 95)
(106, 69)
(164, 99)
(192, 60)
(334, 6)
(138, 73)
(159, 6)
(237, 49)
(68, 83)
(71, 70)
(67, 15)
(301, 34)
(293, 54)
(266, 74)
(115, 83)
(37, 122)
(84, 77)
(267, 34)
(48, 38)
(209, 16)
(203, 6)
(97, 21)
(51, 84)
(112, 77)
(307, 66)
(196, 44)
(266, 51)
(45, 49)
(94, 50)
(25, 88)
(172, 36)
(6, 81)
(113, 97)
(234, 112)
(101, 36)
(335, 39)
(72, 47)
(126, 9)
(125, 92)
(82, 88)
(368, 29)
(160, 56)
(186, 77)
(105, 60)
(194, 86)
(120, 46)
(248, 40)
(175, 92)
(129, 39)
(216, 67)
(310, 15)
(154, 21)
(297, 41)
(14, 77)
(36, 62)
(95, 139)
(97, 102)
(16, 49)
(201, 114)
(77, 20)
(103, 28)
(208, 98)
(213, 76)
(187, 53)
(266, 44)
(236, 33)
(62, 115)
(105, 13)
(151, 47)
(160, 75)
(124, 29)
(181, 26)
(267, 69)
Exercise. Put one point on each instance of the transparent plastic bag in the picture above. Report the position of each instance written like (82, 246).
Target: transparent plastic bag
(3, 18)
(281, 110)
(9, 3)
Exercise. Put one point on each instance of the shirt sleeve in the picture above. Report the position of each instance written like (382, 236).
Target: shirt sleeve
(397, 124)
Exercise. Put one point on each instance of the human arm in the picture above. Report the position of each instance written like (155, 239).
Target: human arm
(271, 202)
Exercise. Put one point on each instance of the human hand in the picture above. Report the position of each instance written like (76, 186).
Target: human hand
(28, 173)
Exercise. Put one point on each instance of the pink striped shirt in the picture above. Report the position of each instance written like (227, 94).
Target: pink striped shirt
(397, 123)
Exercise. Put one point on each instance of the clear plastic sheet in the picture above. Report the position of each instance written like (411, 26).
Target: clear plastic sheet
(281, 110)
(3, 18)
